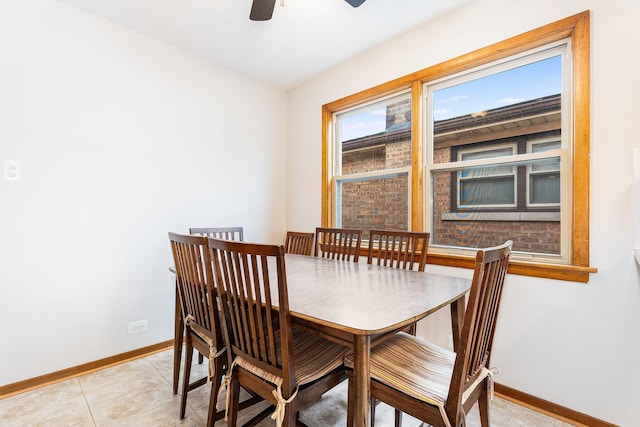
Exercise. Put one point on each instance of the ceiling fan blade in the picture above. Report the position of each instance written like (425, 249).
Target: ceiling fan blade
(355, 3)
(262, 10)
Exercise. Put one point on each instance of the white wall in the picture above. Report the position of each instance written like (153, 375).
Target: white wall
(577, 345)
(121, 140)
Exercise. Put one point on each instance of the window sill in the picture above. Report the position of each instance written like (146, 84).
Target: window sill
(501, 216)
(572, 273)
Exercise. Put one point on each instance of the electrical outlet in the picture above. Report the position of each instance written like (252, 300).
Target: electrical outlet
(138, 326)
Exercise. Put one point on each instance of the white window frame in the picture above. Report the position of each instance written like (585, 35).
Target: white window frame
(561, 47)
(338, 178)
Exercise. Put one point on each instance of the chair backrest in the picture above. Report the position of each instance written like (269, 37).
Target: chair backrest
(398, 249)
(476, 338)
(194, 278)
(338, 243)
(249, 277)
(299, 243)
(226, 233)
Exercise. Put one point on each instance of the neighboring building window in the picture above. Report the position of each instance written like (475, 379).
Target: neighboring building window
(486, 187)
(372, 164)
(543, 179)
(513, 164)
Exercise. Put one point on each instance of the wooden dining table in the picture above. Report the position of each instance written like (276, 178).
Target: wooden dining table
(358, 303)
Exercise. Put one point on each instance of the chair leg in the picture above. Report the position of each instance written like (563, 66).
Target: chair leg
(373, 404)
(412, 329)
(290, 416)
(483, 405)
(350, 402)
(177, 342)
(215, 386)
(398, 418)
(234, 389)
(186, 376)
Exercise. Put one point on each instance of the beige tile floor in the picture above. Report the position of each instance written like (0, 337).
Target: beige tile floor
(138, 393)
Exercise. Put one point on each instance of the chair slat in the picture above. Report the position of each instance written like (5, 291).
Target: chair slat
(398, 249)
(338, 243)
(299, 243)
(226, 233)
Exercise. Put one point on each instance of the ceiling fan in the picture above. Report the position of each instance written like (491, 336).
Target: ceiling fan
(262, 10)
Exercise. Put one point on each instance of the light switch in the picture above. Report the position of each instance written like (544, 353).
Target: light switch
(12, 170)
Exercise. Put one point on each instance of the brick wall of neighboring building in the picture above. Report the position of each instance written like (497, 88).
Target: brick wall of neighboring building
(375, 204)
(527, 236)
(538, 237)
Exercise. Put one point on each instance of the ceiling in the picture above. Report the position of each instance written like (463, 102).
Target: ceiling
(302, 39)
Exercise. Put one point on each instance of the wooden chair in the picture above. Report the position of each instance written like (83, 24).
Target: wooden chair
(398, 249)
(287, 366)
(435, 385)
(200, 315)
(338, 243)
(227, 233)
(299, 243)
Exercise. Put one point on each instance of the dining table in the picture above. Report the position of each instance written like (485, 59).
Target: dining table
(357, 304)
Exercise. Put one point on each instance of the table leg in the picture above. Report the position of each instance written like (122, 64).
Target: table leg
(457, 320)
(361, 374)
(178, 336)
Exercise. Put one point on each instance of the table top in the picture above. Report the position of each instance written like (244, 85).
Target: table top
(364, 299)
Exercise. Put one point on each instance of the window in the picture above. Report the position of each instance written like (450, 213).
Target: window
(486, 187)
(372, 164)
(478, 175)
(486, 127)
(543, 180)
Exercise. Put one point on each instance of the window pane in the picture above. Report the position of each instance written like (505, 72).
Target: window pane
(544, 177)
(478, 227)
(540, 147)
(374, 137)
(374, 203)
(486, 154)
(474, 99)
(544, 188)
(510, 109)
(476, 185)
(485, 172)
(487, 192)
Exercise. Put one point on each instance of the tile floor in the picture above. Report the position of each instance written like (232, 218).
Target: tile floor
(138, 393)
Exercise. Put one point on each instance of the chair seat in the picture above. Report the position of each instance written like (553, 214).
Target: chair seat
(413, 366)
(314, 357)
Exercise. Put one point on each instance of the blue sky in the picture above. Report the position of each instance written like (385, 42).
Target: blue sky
(531, 81)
